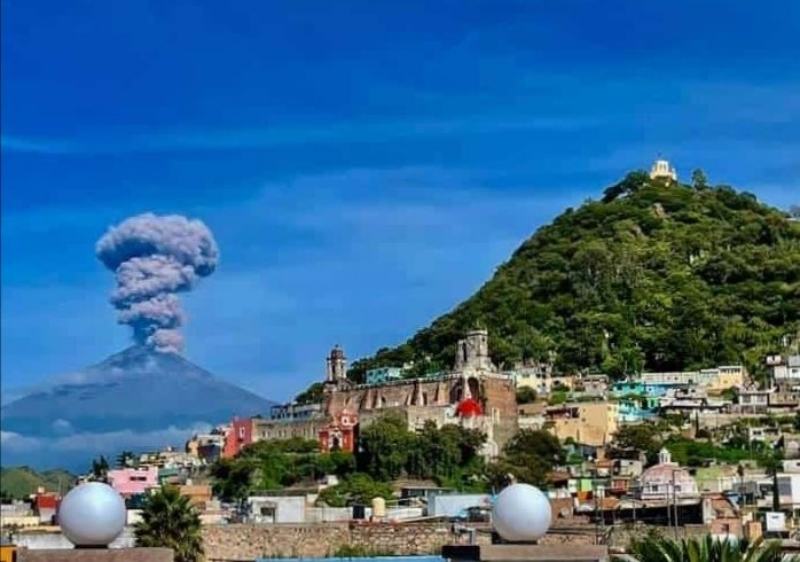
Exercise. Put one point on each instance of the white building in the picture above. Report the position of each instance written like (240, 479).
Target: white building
(662, 169)
(785, 371)
(715, 379)
(789, 491)
(276, 509)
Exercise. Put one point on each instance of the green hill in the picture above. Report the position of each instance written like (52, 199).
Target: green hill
(655, 275)
(21, 481)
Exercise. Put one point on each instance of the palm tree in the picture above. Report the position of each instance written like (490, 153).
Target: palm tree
(126, 458)
(703, 549)
(169, 520)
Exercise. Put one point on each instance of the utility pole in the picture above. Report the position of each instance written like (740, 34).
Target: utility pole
(675, 504)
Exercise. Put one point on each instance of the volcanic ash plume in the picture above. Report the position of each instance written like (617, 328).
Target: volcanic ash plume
(155, 257)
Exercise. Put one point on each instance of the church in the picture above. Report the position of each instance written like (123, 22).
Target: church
(474, 394)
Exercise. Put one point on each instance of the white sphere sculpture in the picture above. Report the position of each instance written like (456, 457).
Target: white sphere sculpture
(521, 513)
(92, 514)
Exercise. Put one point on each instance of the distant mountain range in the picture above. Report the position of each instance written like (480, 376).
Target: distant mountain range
(136, 392)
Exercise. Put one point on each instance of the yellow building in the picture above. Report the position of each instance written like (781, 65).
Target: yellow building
(587, 423)
(8, 553)
(725, 377)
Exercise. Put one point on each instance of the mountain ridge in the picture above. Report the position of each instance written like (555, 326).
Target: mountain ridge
(655, 275)
(105, 397)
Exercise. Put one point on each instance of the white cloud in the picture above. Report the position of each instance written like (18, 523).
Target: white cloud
(99, 443)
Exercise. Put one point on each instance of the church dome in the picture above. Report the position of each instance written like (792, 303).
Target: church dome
(666, 480)
(469, 408)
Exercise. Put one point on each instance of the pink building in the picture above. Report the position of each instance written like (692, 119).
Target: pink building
(132, 481)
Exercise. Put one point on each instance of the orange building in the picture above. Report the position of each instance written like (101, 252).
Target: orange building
(340, 434)
(239, 436)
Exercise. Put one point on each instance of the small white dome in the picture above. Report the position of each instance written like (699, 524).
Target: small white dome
(521, 513)
(92, 514)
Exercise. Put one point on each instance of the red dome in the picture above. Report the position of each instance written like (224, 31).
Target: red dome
(469, 408)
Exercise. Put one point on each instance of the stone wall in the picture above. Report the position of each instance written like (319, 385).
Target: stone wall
(245, 542)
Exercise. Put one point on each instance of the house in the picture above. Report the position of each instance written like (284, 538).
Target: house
(589, 423)
(784, 398)
(593, 385)
(789, 491)
(666, 480)
(631, 468)
(453, 505)
(45, 506)
(634, 409)
(130, 482)
(692, 400)
(276, 509)
(714, 380)
(206, 446)
(541, 377)
(239, 435)
(722, 518)
(531, 416)
(199, 494)
(785, 370)
(791, 466)
(753, 400)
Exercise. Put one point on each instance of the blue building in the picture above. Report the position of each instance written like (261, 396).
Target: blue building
(638, 401)
(383, 375)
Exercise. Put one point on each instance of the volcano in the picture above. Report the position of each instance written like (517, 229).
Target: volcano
(137, 390)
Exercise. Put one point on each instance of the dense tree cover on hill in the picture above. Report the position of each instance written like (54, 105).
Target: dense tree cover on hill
(272, 465)
(21, 481)
(449, 456)
(387, 450)
(656, 275)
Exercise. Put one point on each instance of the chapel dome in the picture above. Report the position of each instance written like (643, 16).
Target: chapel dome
(667, 479)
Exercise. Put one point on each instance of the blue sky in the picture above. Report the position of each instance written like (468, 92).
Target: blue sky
(363, 165)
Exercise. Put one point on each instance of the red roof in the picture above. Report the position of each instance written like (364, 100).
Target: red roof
(469, 408)
(44, 501)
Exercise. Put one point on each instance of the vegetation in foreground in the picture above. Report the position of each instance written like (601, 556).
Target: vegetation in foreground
(703, 549)
(169, 520)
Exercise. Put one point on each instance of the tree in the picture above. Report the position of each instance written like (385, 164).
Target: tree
(312, 395)
(642, 437)
(357, 489)
(699, 179)
(703, 549)
(169, 520)
(632, 183)
(384, 448)
(526, 395)
(232, 479)
(100, 468)
(528, 457)
(652, 278)
(126, 458)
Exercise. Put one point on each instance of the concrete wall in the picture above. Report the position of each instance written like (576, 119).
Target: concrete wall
(41, 540)
(227, 543)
